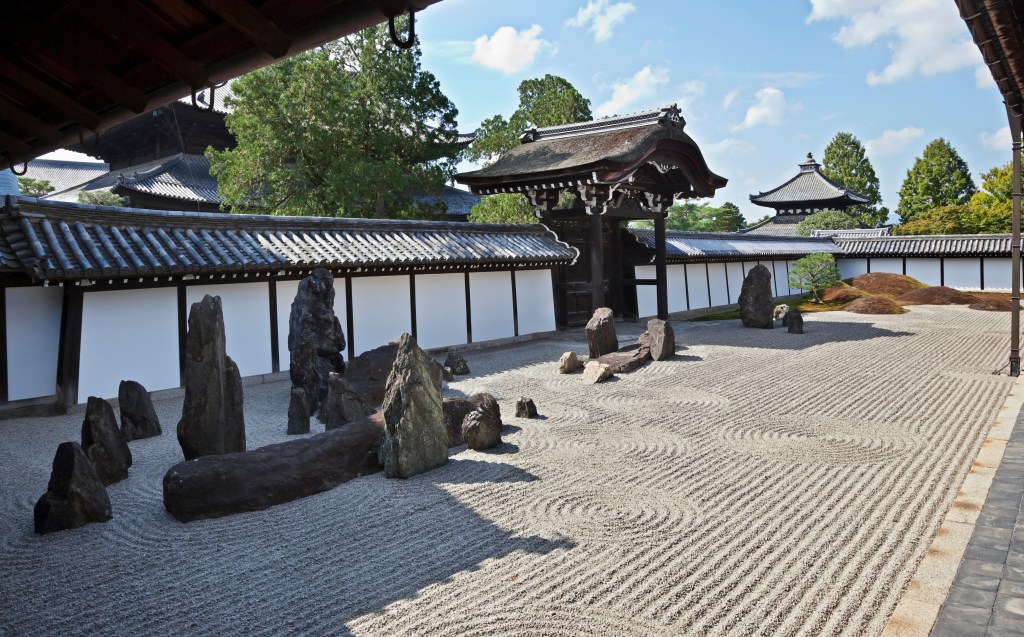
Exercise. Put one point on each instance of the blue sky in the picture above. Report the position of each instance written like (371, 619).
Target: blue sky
(760, 84)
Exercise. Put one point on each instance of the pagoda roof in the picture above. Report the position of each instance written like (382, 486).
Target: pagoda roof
(182, 177)
(604, 151)
(808, 187)
(64, 174)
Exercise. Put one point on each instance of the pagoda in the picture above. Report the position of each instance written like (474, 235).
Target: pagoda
(806, 193)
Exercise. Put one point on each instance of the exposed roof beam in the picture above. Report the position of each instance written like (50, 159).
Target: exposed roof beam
(28, 122)
(250, 22)
(62, 102)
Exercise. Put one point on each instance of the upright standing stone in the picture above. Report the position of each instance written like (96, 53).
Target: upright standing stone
(75, 495)
(660, 338)
(601, 333)
(794, 321)
(415, 438)
(298, 412)
(756, 299)
(212, 421)
(315, 341)
(525, 408)
(138, 418)
(344, 404)
(103, 443)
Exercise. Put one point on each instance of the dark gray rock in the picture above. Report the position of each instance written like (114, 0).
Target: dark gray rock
(368, 373)
(626, 360)
(447, 374)
(481, 431)
(212, 421)
(659, 338)
(525, 408)
(138, 418)
(344, 404)
(457, 364)
(103, 443)
(756, 299)
(75, 495)
(315, 339)
(298, 412)
(486, 403)
(415, 438)
(215, 486)
(794, 321)
(601, 333)
(454, 411)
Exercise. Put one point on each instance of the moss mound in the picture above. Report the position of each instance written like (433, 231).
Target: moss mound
(886, 283)
(874, 305)
(992, 305)
(842, 293)
(937, 295)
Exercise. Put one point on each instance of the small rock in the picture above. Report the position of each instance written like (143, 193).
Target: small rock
(525, 408)
(626, 360)
(486, 403)
(595, 372)
(298, 412)
(794, 321)
(756, 299)
(447, 375)
(481, 431)
(601, 333)
(103, 443)
(454, 411)
(569, 363)
(138, 418)
(344, 404)
(75, 495)
(780, 311)
(457, 364)
(660, 338)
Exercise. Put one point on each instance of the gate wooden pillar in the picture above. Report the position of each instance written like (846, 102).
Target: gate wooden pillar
(596, 262)
(660, 267)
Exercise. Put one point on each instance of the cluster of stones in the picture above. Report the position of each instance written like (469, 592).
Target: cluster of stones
(607, 358)
(756, 304)
(76, 493)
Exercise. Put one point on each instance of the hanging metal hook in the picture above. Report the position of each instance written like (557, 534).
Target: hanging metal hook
(411, 40)
(81, 140)
(24, 169)
(209, 107)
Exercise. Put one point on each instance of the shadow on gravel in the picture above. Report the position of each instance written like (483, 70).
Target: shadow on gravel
(732, 334)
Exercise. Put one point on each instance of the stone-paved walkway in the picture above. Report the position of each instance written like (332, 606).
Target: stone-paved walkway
(987, 596)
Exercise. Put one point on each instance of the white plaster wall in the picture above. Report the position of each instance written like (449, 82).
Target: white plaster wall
(129, 335)
(698, 278)
(718, 288)
(246, 309)
(490, 300)
(997, 274)
(441, 309)
(780, 286)
(736, 274)
(647, 295)
(849, 268)
(924, 270)
(963, 274)
(892, 266)
(536, 301)
(33, 340)
(286, 291)
(380, 310)
(676, 281)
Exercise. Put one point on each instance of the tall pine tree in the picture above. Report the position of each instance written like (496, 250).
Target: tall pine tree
(846, 163)
(940, 177)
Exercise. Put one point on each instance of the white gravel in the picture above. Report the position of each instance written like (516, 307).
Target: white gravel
(760, 483)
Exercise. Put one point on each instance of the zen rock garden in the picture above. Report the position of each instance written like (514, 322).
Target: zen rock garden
(607, 358)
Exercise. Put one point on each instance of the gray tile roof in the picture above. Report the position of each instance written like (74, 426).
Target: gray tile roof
(853, 233)
(777, 226)
(964, 245)
(64, 174)
(8, 183)
(809, 185)
(59, 241)
(459, 202)
(182, 177)
(693, 246)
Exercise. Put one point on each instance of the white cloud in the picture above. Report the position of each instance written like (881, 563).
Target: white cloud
(508, 50)
(983, 77)
(688, 94)
(642, 85)
(999, 140)
(729, 147)
(602, 17)
(770, 106)
(730, 99)
(892, 142)
(925, 37)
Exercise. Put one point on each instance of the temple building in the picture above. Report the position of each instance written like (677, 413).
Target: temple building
(806, 193)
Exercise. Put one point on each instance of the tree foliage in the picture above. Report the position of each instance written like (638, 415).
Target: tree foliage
(846, 163)
(545, 101)
(969, 219)
(355, 128)
(940, 177)
(696, 216)
(814, 273)
(34, 187)
(100, 198)
(827, 220)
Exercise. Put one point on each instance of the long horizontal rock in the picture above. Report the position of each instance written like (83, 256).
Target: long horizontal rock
(215, 486)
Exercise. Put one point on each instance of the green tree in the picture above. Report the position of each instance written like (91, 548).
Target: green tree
(827, 220)
(846, 163)
(940, 177)
(355, 128)
(996, 193)
(545, 101)
(969, 219)
(100, 198)
(814, 273)
(34, 187)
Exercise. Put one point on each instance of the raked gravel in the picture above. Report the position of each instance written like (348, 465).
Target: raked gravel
(759, 483)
